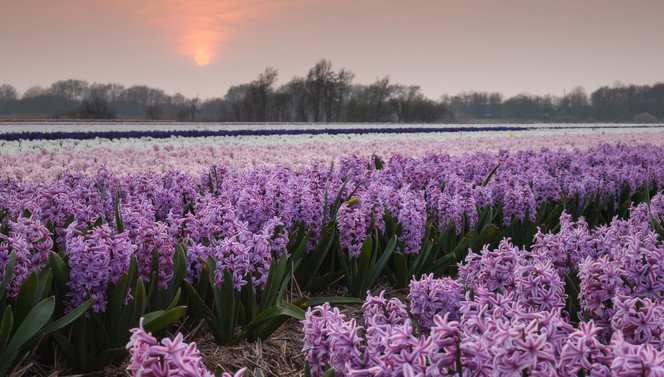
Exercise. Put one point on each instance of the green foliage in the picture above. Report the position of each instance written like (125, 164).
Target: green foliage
(362, 273)
(306, 266)
(234, 315)
(99, 339)
(31, 317)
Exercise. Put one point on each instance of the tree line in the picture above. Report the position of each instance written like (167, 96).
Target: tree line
(618, 103)
(328, 95)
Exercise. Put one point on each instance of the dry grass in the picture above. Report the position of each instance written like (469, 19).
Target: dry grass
(279, 356)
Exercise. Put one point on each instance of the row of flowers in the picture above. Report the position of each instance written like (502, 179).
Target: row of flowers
(179, 132)
(13, 127)
(581, 301)
(226, 243)
(40, 161)
(557, 308)
(159, 210)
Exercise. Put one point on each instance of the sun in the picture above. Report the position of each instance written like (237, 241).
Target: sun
(202, 58)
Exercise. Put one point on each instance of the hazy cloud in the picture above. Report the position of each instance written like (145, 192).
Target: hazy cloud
(198, 27)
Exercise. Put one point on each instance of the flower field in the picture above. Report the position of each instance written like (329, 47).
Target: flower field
(534, 254)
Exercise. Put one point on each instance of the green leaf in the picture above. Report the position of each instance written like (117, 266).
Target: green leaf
(301, 247)
(6, 327)
(307, 369)
(656, 226)
(179, 263)
(158, 320)
(99, 222)
(246, 310)
(272, 325)
(315, 301)
(324, 281)
(541, 212)
(441, 264)
(276, 275)
(327, 187)
(377, 269)
(154, 273)
(488, 177)
(425, 257)
(227, 305)
(199, 306)
(485, 217)
(218, 370)
(118, 214)
(275, 323)
(68, 318)
(121, 323)
(100, 334)
(554, 215)
(378, 163)
(65, 346)
(106, 357)
(43, 285)
(210, 186)
(315, 258)
(139, 302)
(274, 311)
(117, 294)
(401, 270)
(31, 325)
(60, 274)
(176, 299)
(487, 236)
(9, 271)
(26, 297)
(226, 302)
(347, 269)
(364, 259)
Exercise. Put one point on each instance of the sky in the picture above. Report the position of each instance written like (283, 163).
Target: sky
(202, 47)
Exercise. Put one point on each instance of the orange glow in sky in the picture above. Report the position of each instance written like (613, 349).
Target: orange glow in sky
(202, 58)
(197, 28)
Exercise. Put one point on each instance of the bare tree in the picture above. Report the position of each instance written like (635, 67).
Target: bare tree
(235, 99)
(188, 110)
(70, 90)
(379, 93)
(8, 93)
(329, 97)
(402, 100)
(262, 89)
(259, 94)
(96, 108)
(34, 91)
(344, 79)
(317, 80)
(297, 90)
(137, 93)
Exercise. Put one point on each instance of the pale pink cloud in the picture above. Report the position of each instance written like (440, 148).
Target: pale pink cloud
(198, 28)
